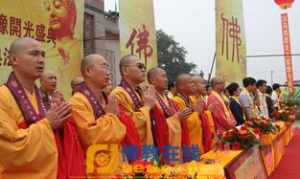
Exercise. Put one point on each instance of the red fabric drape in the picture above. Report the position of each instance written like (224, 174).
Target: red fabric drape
(132, 136)
(161, 130)
(71, 162)
(208, 135)
(71, 157)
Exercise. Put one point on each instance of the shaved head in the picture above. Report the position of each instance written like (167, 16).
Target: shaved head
(77, 80)
(158, 78)
(184, 84)
(48, 81)
(20, 44)
(153, 73)
(26, 57)
(182, 79)
(95, 71)
(132, 69)
(90, 60)
(199, 83)
(216, 80)
(218, 84)
(127, 60)
(198, 79)
(46, 74)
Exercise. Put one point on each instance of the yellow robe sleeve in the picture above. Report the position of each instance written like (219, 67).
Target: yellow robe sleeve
(107, 129)
(194, 125)
(25, 153)
(174, 128)
(210, 121)
(141, 117)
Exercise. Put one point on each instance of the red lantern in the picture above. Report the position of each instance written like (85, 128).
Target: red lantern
(284, 4)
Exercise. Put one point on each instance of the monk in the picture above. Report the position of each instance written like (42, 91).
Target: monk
(135, 105)
(208, 126)
(48, 87)
(222, 115)
(96, 117)
(167, 119)
(75, 81)
(185, 89)
(70, 152)
(28, 146)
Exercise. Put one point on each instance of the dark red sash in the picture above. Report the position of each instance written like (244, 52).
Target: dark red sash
(97, 108)
(19, 94)
(159, 123)
(208, 135)
(138, 103)
(186, 99)
(67, 142)
(132, 136)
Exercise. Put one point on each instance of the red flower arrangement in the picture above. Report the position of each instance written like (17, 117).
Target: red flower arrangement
(262, 125)
(239, 138)
(286, 114)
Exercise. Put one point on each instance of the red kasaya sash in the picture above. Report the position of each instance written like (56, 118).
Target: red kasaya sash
(97, 108)
(71, 155)
(208, 135)
(68, 146)
(161, 129)
(132, 136)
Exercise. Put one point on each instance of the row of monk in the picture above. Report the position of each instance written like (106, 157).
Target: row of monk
(42, 136)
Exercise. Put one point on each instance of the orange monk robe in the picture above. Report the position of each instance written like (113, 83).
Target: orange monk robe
(173, 124)
(208, 126)
(194, 125)
(29, 153)
(222, 116)
(107, 129)
(140, 117)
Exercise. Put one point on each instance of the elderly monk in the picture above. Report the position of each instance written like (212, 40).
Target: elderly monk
(27, 142)
(48, 87)
(96, 115)
(185, 88)
(208, 127)
(222, 115)
(70, 153)
(135, 104)
(166, 118)
(76, 81)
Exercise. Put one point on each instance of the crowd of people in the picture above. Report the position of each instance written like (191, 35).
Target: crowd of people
(42, 135)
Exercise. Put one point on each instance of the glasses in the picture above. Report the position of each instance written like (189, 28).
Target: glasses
(139, 65)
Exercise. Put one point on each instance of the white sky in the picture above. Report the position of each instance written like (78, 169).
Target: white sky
(192, 24)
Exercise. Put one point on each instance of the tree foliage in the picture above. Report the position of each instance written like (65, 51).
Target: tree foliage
(172, 56)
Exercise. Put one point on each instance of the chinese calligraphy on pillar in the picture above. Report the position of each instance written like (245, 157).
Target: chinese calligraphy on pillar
(137, 31)
(231, 43)
(231, 34)
(139, 43)
(287, 52)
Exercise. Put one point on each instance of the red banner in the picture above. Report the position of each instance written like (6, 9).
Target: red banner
(287, 51)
